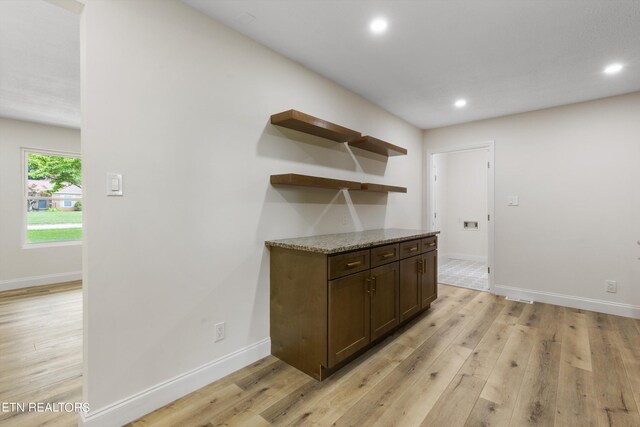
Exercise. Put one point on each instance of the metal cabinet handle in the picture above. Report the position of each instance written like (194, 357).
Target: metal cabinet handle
(374, 284)
(389, 255)
(432, 244)
(413, 249)
(368, 281)
(353, 264)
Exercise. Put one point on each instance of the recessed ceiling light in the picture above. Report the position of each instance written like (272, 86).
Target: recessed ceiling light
(613, 68)
(378, 26)
(460, 103)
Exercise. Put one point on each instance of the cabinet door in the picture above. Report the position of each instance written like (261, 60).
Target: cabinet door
(429, 278)
(409, 294)
(384, 299)
(349, 316)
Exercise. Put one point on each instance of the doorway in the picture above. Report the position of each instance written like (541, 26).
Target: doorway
(461, 208)
(41, 297)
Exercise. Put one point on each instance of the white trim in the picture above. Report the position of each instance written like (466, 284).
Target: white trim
(48, 279)
(429, 194)
(133, 407)
(465, 257)
(53, 244)
(601, 306)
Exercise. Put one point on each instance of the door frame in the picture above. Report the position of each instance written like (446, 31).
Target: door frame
(430, 194)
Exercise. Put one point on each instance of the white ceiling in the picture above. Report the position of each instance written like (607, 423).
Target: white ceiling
(39, 62)
(503, 56)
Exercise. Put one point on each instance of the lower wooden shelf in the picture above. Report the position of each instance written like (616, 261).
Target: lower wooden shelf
(367, 186)
(313, 181)
(334, 184)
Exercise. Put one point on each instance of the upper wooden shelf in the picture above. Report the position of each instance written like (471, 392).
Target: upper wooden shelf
(302, 122)
(313, 181)
(367, 186)
(379, 146)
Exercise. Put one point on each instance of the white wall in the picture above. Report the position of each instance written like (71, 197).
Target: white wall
(576, 170)
(462, 196)
(20, 265)
(180, 105)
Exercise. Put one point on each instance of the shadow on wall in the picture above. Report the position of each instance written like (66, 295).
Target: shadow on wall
(318, 210)
(287, 144)
(307, 210)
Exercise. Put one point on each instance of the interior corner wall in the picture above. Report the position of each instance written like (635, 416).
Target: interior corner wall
(462, 196)
(180, 105)
(576, 171)
(38, 264)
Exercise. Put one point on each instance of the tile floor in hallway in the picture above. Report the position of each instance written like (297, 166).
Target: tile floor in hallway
(468, 274)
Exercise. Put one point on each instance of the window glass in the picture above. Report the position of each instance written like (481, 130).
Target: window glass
(53, 194)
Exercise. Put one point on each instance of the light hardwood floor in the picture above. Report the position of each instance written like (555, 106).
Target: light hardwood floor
(472, 360)
(41, 351)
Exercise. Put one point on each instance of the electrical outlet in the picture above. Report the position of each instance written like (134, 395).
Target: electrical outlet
(219, 331)
(611, 286)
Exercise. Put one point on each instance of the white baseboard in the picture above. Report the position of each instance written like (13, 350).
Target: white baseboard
(465, 257)
(601, 306)
(48, 279)
(135, 406)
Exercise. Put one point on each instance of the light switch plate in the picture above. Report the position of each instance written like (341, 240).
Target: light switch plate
(114, 184)
(513, 201)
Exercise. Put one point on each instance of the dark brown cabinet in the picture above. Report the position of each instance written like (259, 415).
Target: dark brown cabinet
(384, 283)
(327, 309)
(429, 278)
(418, 278)
(349, 316)
(362, 308)
(409, 287)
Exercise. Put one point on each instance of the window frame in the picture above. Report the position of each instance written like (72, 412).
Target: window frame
(25, 151)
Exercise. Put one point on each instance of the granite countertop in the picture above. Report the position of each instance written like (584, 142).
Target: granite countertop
(342, 242)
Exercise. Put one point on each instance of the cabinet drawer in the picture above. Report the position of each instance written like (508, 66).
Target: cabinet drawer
(385, 254)
(349, 263)
(429, 244)
(410, 248)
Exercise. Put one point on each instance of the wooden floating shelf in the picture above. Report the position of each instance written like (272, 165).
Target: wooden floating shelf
(302, 122)
(313, 181)
(366, 186)
(334, 184)
(379, 146)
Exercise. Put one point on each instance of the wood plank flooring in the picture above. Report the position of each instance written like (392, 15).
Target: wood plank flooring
(472, 360)
(41, 351)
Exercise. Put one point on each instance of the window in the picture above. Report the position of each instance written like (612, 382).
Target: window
(53, 197)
